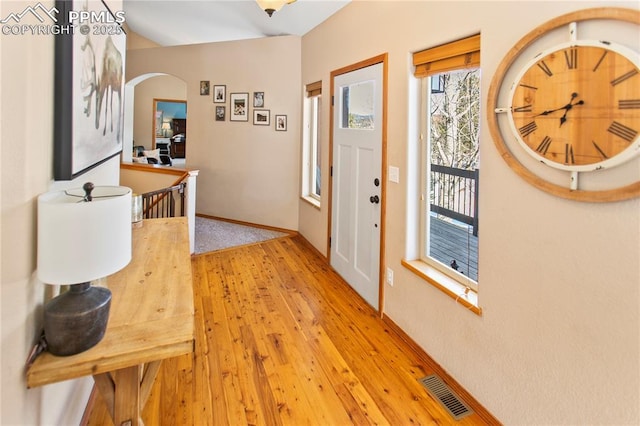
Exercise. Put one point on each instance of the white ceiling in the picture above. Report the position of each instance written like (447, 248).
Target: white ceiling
(176, 22)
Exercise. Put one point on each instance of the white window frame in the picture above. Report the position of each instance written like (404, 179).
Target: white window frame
(435, 60)
(425, 208)
(310, 150)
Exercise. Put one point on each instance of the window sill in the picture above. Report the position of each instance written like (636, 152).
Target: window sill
(447, 285)
(315, 203)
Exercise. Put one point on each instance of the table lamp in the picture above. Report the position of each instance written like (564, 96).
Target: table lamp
(165, 128)
(83, 234)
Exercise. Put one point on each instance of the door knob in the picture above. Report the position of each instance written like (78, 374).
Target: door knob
(374, 199)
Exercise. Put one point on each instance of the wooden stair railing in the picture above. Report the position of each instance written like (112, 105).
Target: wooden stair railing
(162, 203)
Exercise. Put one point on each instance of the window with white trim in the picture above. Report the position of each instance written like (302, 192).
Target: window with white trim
(447, 171)
(311, 171)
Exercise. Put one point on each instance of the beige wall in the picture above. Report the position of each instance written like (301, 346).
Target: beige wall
(248, 173)
(558, 342)
(136, 41)
(141, 181)
(26, 92)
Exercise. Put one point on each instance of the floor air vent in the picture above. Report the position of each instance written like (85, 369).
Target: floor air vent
(449, 400)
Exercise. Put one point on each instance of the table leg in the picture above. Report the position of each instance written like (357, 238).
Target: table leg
(127, 396)
(106, 387)
(125, 392)
(148, 378)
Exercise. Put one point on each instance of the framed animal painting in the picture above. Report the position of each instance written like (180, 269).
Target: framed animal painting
(89, 87)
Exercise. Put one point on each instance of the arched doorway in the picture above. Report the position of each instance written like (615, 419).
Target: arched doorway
(139, 111)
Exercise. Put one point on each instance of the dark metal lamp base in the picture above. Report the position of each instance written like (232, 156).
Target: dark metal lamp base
(77, 319)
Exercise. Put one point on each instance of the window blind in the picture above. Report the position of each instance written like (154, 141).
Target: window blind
(463, 53)
(314, 89)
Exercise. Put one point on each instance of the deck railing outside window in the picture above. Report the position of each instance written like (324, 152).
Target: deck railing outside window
(454, 194)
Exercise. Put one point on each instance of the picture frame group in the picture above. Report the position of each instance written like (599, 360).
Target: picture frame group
(240, 109)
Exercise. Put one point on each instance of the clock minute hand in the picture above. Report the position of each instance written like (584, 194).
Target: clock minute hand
(549, 111)
(566, 108)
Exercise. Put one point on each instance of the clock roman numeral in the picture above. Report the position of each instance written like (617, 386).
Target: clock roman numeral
(527, 129)
(571, 56)
(600, 61)
(526, 86)
(629, 104)
(624, 77)
(568, 154)
(622, 131)
(545, 68)
(526, 108)
(544, 145)
(600, 151)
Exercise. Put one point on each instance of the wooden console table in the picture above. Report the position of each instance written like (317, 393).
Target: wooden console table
(152, 318)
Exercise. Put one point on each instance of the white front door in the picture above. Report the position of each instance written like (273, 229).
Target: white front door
(356, 188)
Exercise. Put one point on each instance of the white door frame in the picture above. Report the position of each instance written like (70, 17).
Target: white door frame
(383, 59)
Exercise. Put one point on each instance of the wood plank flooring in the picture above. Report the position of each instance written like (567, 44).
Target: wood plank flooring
(281, 339)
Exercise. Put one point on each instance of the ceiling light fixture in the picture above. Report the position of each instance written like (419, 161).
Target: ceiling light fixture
(271, 6)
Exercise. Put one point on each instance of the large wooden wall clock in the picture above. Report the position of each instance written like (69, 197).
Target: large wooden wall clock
(564, 105)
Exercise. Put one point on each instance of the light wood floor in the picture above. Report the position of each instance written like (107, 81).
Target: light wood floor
(282, 340)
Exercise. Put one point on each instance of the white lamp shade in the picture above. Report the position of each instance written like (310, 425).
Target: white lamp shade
(82, 241)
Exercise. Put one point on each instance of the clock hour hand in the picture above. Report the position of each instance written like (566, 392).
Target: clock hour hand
(568, 106)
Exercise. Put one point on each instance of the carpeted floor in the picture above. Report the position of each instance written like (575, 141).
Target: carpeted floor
(211, 235)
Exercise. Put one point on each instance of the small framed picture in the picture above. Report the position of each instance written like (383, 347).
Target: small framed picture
(258, 99)
(261, 117)
(204, 88)
(281, 123)
(220, 113)
(219, 94)
(239, 107)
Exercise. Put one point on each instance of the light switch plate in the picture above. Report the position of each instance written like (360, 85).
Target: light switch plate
(389, 277)
(394, 174)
